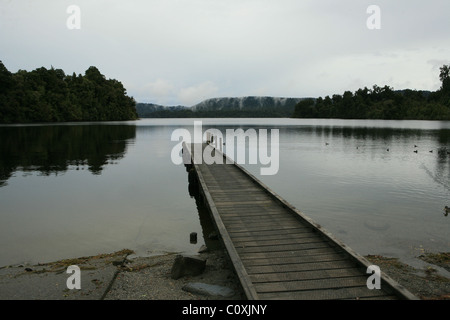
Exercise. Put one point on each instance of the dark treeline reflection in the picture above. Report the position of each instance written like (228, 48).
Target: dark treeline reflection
(386, 140)
(440, 137)
(52, 149)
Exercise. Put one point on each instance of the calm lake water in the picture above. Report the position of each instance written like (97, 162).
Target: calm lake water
(71, 190)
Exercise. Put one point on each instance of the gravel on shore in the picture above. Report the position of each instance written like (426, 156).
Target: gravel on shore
(145, 278)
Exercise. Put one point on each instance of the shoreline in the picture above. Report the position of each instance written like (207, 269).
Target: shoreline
(120, 275)
(124, 276)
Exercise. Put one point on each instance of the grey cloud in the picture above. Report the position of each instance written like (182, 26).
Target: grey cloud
(182, 51)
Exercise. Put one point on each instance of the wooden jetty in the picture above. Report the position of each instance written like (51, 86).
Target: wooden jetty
(277, 251)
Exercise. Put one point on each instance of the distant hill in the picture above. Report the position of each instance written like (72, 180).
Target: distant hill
(150, 110)
(259, 105)
(375, 103)
(226, 107)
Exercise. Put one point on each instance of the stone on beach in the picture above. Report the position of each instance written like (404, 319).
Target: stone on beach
(185, 265)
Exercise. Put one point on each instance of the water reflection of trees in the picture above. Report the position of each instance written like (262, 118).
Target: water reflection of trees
(440, 137)
(367, 133)
(53, 149)
(435, 143)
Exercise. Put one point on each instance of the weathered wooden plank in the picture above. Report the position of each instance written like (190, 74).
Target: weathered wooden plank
(276, 265)
(234, 203)
(304, 256)
(278, 242)
(278, 236)
(304, 275)
(260, 224)
(227, 180)
(250, 228)
(289, 247)
(249, 212)
(291, 263)
(354, 293)
(253, 215)
(228, 183)
(296, 229)
(263, 222)
(219, 189)
(239, 211)
(258, 215)
(251, 221)
(227, 191)
(297, 285)
(244, 207)
(242, 196)
(239, 197)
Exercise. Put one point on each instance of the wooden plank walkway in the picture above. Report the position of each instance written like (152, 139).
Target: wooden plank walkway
(277, 252)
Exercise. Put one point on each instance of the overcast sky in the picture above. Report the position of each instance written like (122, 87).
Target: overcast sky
(184, 51)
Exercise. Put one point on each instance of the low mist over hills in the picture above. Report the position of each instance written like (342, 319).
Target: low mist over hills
(151, 110)
(374, 103)
(248, 103)
(225, 107)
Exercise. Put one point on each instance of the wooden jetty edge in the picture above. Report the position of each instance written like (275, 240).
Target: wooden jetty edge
(277, 251)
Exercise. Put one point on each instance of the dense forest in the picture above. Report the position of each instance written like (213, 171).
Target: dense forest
(49, 95)
(382, 103)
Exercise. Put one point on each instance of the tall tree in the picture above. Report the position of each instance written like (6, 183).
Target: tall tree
(444, 76)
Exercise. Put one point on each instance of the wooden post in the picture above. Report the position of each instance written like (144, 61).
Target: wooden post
(193, 237)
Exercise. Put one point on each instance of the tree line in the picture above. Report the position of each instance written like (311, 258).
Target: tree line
(382, 103)
(49, 95)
